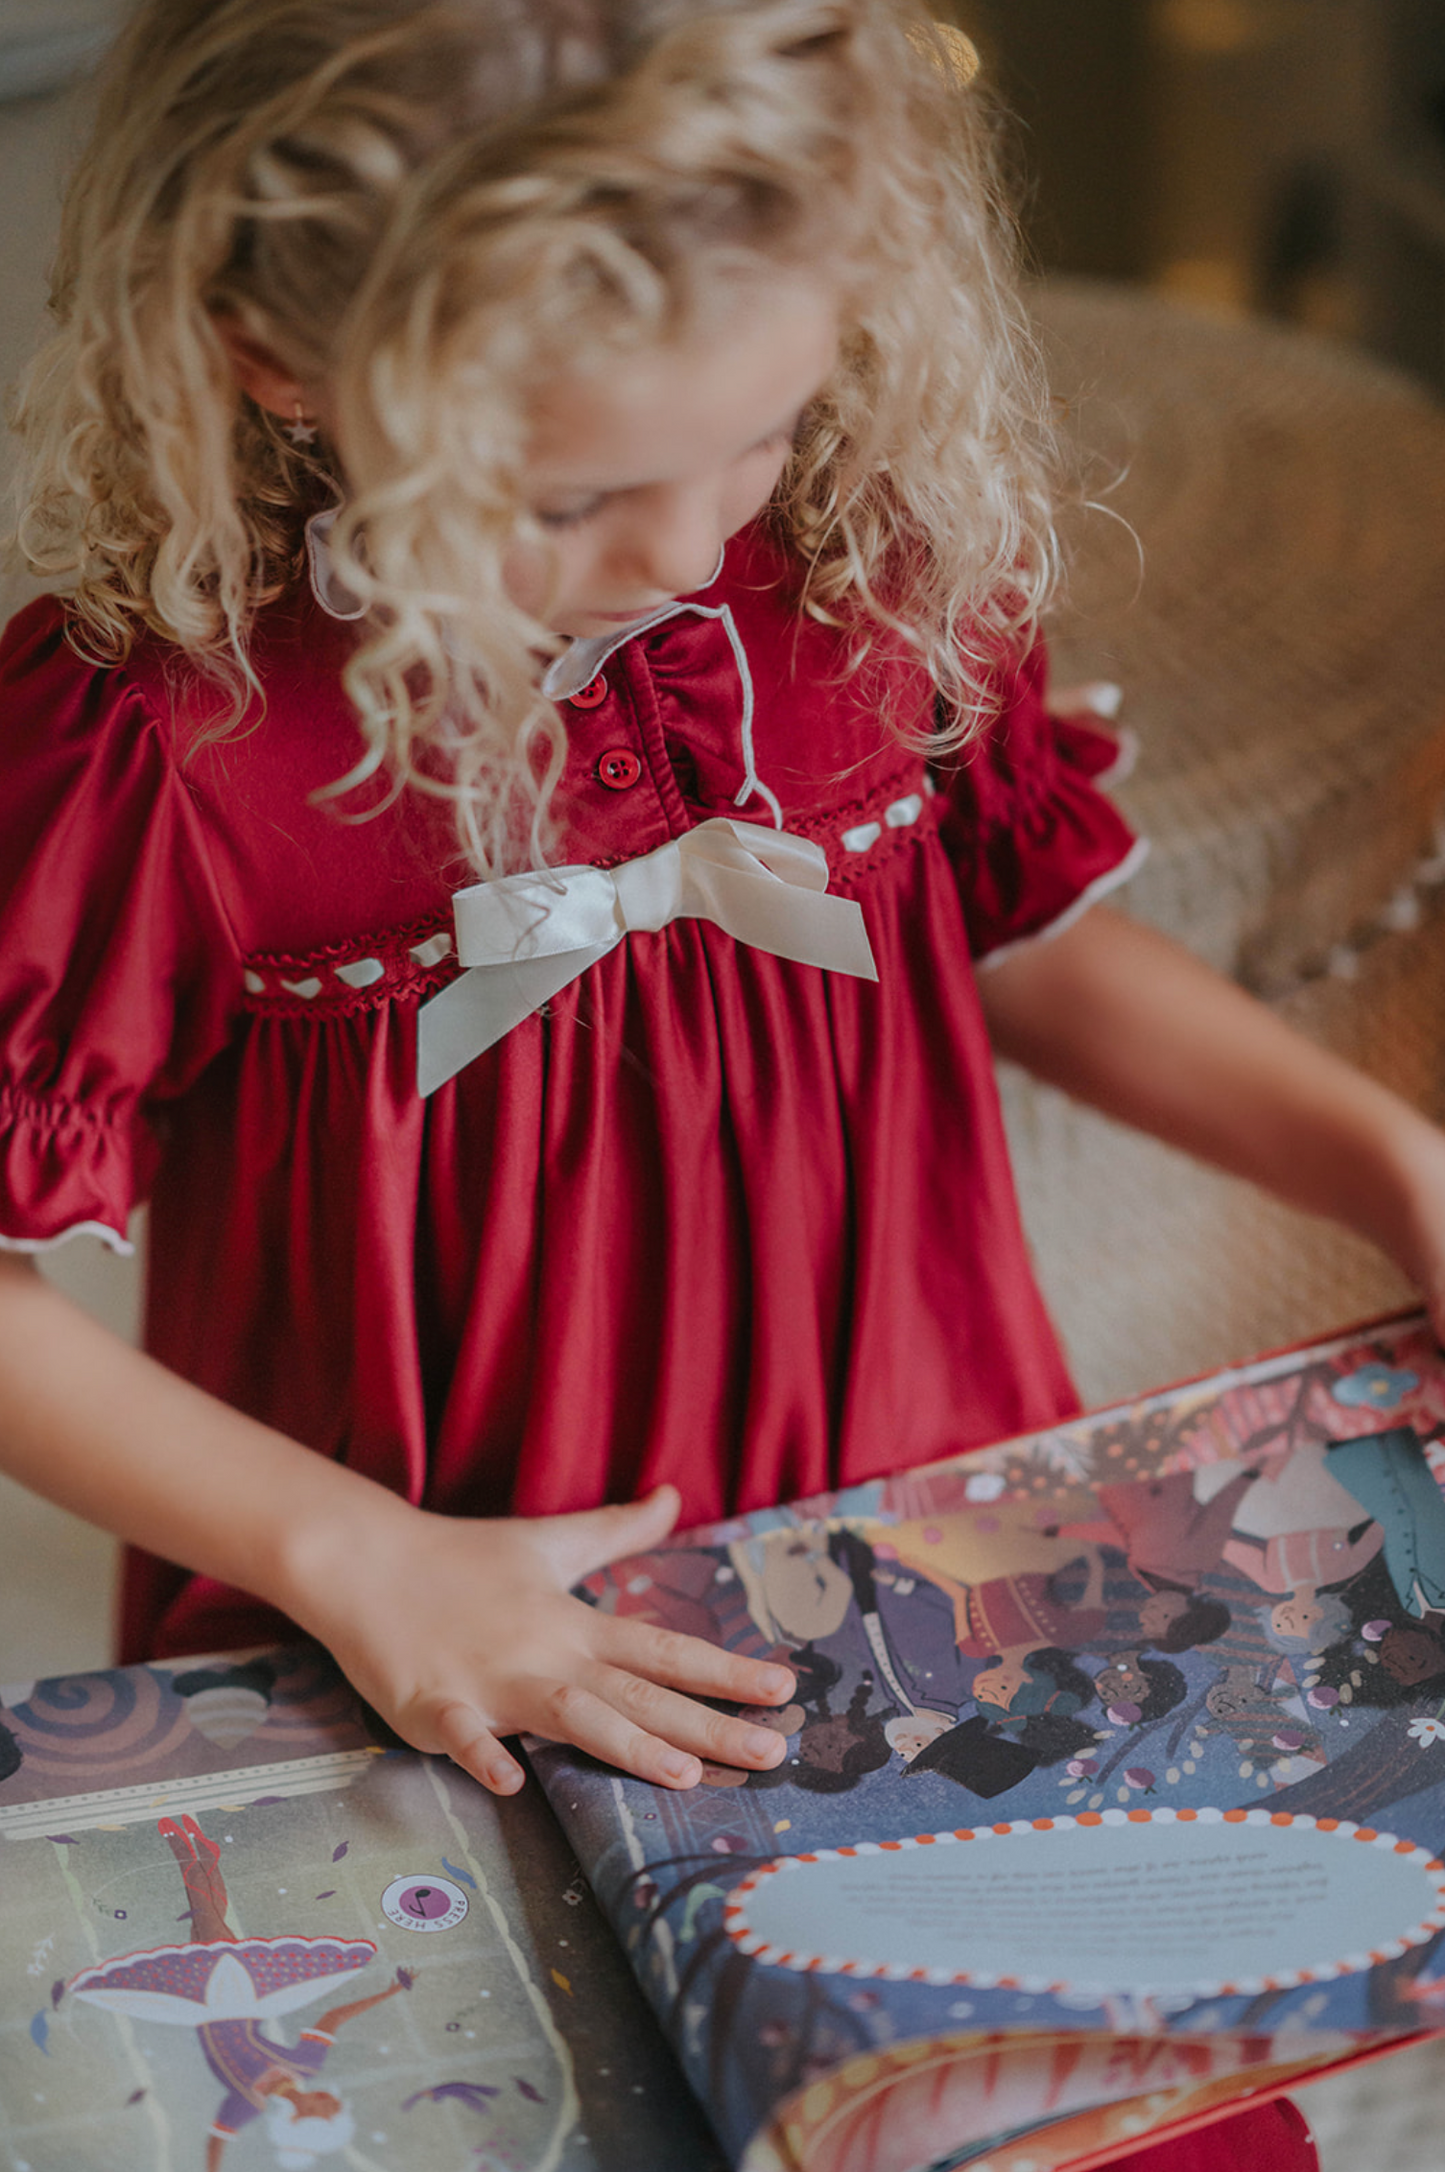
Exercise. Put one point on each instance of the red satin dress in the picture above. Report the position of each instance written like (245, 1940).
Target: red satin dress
(712, 1216)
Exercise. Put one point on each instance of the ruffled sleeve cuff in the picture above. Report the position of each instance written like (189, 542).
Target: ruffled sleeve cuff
(119, 978)
(65, 1174)
(1035, 840)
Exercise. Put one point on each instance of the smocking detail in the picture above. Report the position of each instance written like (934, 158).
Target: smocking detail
(411, 961)
(899, 814)
(862, 834)
(858, 837)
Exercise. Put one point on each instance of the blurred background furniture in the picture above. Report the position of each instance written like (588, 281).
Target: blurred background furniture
(1262, 568)
(1280, 628)
(1284, 157)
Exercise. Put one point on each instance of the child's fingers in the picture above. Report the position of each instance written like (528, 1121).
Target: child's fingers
(689, 1663)
(459, 1732)
(566, 1712)
(615, 1720)
(721, 1736)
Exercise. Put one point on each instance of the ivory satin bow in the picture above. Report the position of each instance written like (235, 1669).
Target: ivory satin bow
(525, 937)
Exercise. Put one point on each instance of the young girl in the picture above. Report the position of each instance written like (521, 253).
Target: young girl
(601, 438)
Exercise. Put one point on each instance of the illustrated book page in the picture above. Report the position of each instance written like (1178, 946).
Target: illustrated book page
(1112, 1791)
(240, 1928)
(1114, 1784)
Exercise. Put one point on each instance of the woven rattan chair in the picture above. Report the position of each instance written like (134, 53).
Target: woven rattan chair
(1266, 580)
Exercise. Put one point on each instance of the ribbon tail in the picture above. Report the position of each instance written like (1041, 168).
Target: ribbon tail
(804, 925)
(481, 1007)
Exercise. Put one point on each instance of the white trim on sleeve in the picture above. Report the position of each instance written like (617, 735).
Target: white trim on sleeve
(1101, 697)
(1125, 761)
(1113, 878)
(121, 1246)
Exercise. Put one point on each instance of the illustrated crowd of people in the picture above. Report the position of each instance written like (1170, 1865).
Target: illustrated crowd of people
(993, 1637)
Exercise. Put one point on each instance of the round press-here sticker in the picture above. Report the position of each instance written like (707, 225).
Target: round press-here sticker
(424, 1903)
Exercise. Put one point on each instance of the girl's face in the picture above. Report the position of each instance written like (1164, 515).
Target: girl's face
(1123, 1681)
(1160, 1610)
(807, 1590)
(641, 467)
(1411, 1656)
(1237, 1696)
(999, 1685)
(909, 1737)
(1298, 1615)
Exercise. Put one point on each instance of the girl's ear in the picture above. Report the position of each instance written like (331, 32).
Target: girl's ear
(261, 375)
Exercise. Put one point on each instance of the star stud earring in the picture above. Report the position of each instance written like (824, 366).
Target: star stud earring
(301, 429)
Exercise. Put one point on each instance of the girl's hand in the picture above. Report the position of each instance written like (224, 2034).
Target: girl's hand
(460, 1630)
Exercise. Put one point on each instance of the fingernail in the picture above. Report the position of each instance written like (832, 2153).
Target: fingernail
(777, 1678)
(761, 1740)
(679, 1768)
(506, 1779)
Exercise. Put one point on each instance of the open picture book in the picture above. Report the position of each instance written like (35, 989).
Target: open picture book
(1114, 1792)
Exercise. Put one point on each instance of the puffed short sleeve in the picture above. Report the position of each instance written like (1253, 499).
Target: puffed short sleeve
(118, 978)
(1034, 838)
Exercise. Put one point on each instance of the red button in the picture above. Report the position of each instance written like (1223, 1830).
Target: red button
(618, 769)
(591, 695)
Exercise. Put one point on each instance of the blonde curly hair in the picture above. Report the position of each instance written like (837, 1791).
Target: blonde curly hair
(427, 206)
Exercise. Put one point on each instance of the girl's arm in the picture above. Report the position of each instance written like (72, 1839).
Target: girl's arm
(457, 1629)
(1120, 1017)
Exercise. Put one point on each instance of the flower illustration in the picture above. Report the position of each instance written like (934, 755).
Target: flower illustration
(1141, 1776)
(1125, 1713)
(1082, 1768)
(1375, 1387)
(1375, 1632)
(1426, 1731)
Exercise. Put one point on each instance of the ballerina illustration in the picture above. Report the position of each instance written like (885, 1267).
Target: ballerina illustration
(227, 1988)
